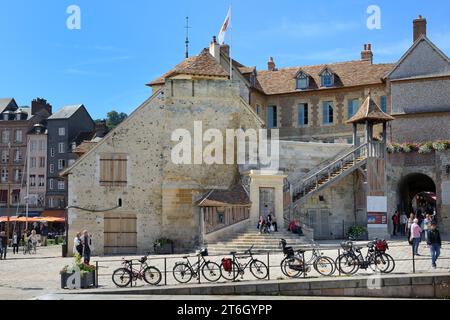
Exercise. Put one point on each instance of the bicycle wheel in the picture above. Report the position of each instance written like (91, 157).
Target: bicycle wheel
(211, 271)
(378, 263)
(231, 273)
(152, 276)
(390, 263)
(292, 267)
(347, 264)
(182, 272)
(259, 269)
(122, 277)
(325, 266)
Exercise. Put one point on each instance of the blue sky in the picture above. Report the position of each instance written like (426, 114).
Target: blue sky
(124, 44)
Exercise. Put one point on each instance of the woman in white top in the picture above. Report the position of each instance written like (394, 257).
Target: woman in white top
(77, 245)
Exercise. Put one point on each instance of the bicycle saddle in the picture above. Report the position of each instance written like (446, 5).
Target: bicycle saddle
(301, 251)
(358, 248)
(143, 260)
(185, 257)
(233, 252)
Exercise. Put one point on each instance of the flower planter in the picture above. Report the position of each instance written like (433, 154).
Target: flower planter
(87, 280)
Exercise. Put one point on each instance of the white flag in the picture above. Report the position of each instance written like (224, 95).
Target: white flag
(225, 26)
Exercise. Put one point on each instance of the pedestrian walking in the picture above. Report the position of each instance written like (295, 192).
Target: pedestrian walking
(434, 243)
(15, 243)
(426, 226)
(33, 240)
(3, 245)
(409, 225)
(395, 222)
(415, 238)
(87, 243)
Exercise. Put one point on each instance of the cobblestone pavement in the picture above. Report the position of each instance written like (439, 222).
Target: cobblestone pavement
(26, 277)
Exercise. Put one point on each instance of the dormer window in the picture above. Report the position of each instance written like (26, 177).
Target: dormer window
(327, 78)
(302, 81)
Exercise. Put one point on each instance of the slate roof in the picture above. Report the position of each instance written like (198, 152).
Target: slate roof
(202, 65)
(370, 111)
(5, 102)
(65, 112)
(236, 195)
(347, 74)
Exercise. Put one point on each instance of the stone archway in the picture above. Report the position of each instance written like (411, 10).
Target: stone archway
(411, 186)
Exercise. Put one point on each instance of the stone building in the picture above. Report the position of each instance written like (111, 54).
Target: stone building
(37, 174)
(127, 191)
(419, 87)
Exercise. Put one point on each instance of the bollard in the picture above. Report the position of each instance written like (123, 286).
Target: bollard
(198, 270)
(234, 264)
(131, 267)
(268, 265)
(96, 274)
(337, 262)
(305, 267)
(413, 260)
(165, 271)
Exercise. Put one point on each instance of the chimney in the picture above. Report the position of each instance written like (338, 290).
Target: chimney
(367, 54)
(225, 49)
(214, 49)
(419, 27)
(271, 65)
(39, 104)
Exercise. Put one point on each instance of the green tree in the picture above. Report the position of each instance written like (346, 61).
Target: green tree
(114, 118)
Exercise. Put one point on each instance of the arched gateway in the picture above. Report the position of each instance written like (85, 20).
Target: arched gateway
(417, 191)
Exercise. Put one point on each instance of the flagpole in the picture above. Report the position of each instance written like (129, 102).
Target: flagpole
(231, 41)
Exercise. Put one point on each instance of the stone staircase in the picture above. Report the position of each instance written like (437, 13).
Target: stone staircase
(242, 241)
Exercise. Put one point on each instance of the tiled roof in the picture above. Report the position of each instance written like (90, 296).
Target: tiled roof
(245, 70)
(202, 65)
(370, 111)
(234, 196)
(65, 112)
(352, 73)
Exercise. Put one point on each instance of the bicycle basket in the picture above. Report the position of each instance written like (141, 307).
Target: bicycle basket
(382, 245)
(227, 264)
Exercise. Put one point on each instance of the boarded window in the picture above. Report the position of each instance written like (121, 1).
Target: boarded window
(113, 169)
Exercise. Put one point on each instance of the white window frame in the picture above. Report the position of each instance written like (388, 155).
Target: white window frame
(61, 185)
(51, 184)
(52, 152)
(52, 168)
(61, 147)
(18, 136)
(61, 165)
(61, 132)
(6, 136)
(41, 181)
(42, 162)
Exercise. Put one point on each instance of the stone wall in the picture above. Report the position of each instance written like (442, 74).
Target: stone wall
(432, 165)
(420, 127)
(160, 193)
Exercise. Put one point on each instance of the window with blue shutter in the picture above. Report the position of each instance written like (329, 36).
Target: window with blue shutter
(384, 103)
(353, 106)
(303, 116)
(328, 112)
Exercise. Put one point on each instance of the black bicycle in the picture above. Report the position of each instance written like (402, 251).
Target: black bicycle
(184, 271)
(294, 264)
(122, 277)
(232, 268)
(352, 259)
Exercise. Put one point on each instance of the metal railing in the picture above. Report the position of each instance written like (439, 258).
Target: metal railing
(331, 172)
(407, 263)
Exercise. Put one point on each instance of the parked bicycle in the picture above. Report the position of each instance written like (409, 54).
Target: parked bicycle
(352, 259)
(232, 268)
(29, 248)
(184, 271)
(122, 277)
(294, 264)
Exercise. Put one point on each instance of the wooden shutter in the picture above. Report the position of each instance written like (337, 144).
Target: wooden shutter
(113, 169)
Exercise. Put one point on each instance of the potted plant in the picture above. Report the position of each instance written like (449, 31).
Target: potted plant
(357, 233)
(87, 273)
(163, 246)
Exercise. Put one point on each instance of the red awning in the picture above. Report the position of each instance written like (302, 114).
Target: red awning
(54, 213)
